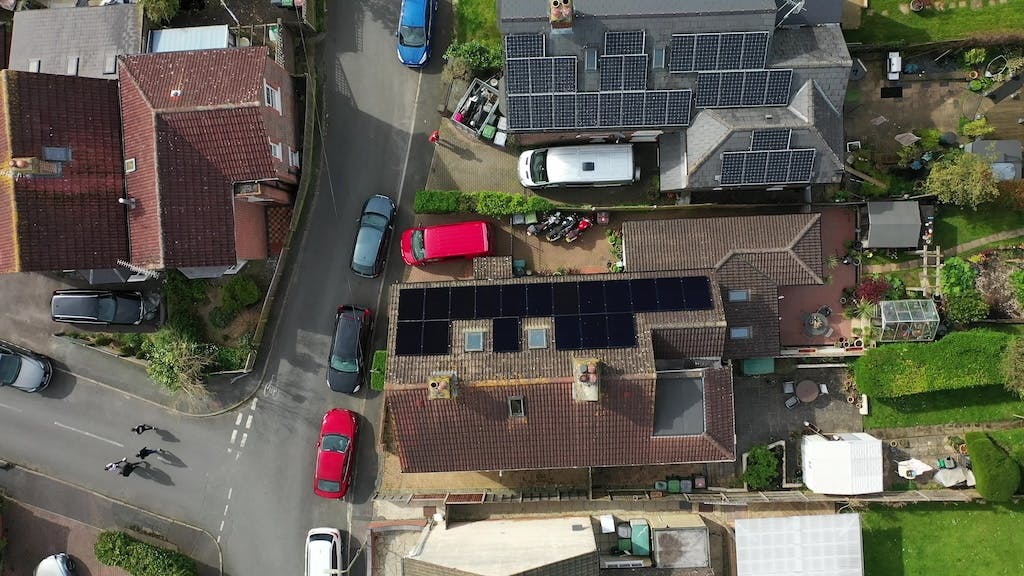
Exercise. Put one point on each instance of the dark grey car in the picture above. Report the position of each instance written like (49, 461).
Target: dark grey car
(100, 307)
(346, 365)
(370, 252)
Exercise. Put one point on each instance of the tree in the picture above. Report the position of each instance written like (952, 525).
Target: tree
(160, 10)
(762, 468)
(962, 179)
(966, 307)
(1013, 365)
(872, 289)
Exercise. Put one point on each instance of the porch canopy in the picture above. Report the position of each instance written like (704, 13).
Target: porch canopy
(893, 225)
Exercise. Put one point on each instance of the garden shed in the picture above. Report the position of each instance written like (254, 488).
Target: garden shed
(908, 320)
(800, 546)
(1004, 155)
(842, 463)
(893, 225)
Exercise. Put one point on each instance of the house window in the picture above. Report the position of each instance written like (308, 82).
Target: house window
(293, 157)
(739, 333)
(129, 166)
(590, 59)
(659, 58)
(57, 153)
(517, 407)
(33, 65)
(536, 338)
(739, 295)
(73, 66)
(272, 96)
(275, 149)
(474, 341)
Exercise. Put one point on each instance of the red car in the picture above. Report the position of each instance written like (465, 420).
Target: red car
(334, 453)
(433, 243)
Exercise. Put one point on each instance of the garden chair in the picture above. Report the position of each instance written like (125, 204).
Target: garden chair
(791, 402)
(788, 387)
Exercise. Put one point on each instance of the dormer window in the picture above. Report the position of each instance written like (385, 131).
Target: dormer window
(516, 407)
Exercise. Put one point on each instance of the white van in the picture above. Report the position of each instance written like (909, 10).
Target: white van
(592, 165)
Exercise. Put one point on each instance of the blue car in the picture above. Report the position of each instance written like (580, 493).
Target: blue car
(414, 30)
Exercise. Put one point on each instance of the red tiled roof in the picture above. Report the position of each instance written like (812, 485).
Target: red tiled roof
(474, 430)
(74, 220)
(250, 230)
(190, 149)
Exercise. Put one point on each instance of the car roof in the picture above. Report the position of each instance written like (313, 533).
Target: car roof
(379, 204)
(346, 332)
(414, 12)
(455, 239)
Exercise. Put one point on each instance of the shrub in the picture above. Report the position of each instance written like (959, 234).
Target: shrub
(132, 344)
(140, 558)
(160, 10)
(439, 202)
(1013, 367)
(960, 360)
(241, 292)
(480, 56)
(964, 308)
(975, 56)
(998, 476)
(221, 316)
(377, 373)
(503, 204)
(762, 470)
(177, 363)
(897, 288)
(102, 340)
(977, 128)
(957, 276)
(1017, 282)
(872, 289)
(930, 139)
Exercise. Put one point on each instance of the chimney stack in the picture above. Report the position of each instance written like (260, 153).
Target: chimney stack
(560, 15)
(586, 379)
(441, 386)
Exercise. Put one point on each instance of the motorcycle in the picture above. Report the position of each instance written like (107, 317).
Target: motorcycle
(580, 228)
(538, 228)
(559, 231)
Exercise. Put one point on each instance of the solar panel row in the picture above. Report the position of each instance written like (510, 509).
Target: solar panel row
(624, 42)
(767, 167)
(524, 45)
(743, 89)
(599, 109)
(541, 75)
(710, 52)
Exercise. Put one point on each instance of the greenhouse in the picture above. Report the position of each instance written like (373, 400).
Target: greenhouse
(908, 320)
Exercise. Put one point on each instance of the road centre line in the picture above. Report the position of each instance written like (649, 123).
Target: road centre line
(89, 434)
(11, 408)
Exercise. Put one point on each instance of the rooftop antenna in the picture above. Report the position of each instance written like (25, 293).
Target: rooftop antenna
(793, 6)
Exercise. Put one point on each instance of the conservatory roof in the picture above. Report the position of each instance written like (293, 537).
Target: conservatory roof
(908, 311)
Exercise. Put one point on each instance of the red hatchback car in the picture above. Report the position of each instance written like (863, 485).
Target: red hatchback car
(334, 453)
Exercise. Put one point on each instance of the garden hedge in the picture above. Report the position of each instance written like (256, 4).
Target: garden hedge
(141, 559)
(960, 360)
(380, 366)
(486, 203)
(997, 474)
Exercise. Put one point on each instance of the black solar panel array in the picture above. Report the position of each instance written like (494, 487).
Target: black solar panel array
(544, 75)
(716, 52)
(627, 42)
(587, 314)
(747, 88)
(769, 139)
(614, 109)
(765, 167)
(524, 45)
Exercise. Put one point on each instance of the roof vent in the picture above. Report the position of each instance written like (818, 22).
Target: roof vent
(442, 386)
(176, 93)
(588, 166)
(586, 379)
(560, 14)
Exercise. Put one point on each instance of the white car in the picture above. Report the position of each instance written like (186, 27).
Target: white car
(56, 565)
(323, 552)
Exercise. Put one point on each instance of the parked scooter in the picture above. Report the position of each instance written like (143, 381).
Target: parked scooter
(580, 228)
(559, 231)
(539, 228)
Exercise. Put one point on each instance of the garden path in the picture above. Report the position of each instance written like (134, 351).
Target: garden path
(955, 250)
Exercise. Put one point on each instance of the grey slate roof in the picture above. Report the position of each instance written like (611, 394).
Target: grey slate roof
(893, 225)
(95, 35)
(815, 13)
(999, 152)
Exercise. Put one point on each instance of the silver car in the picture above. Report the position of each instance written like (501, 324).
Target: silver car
(56, 565)
(23, 369)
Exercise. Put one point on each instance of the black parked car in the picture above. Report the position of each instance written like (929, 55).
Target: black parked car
(100, 307)
(346, 365)
(370, 252)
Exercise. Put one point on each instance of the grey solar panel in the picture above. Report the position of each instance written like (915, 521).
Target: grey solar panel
(611, 73)
(708, 84)
(777, 93)
(624, 42)
(632, 108)
(678, 113)
(769, 139)
(524, 45)
(540, 75)
(563, 111)
(610, 109)
(634, 72)
(706, 52)
(655, 106)
(517, 76)
(680, 57)
(586, 109)
(519, 112)
(778, 167)
(540, 111)
(730, 52)
(731, 91)
(564, 72)
(753, 88)
(801, 165)
(732, 168)
(754, 165)
(755, 50)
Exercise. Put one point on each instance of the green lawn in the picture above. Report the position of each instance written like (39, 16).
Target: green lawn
(955, 226)
(931, 25)
(931, 539)
(477, 20)
(982, 404)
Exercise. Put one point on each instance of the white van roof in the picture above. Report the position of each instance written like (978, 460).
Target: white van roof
(593, 163)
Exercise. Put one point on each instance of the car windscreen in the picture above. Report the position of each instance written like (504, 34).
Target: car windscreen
(418, 250)
(375, 221)
(345, 352)
(539, 167)
(106, 308)
(10, 367)
(335, 443)
(412, 36)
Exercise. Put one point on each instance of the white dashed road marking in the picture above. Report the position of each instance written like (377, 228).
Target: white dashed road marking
(89, 434)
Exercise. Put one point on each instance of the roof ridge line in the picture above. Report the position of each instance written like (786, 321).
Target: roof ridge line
(816, 220)
(209, 107)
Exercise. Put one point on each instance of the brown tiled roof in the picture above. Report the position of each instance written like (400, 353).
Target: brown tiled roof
(192, 121)
(785, 247)
(543, 363)
(73, 220)
(692, 342)
(250, 230)
(492, 267)
(474, 430)
(760, 313)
